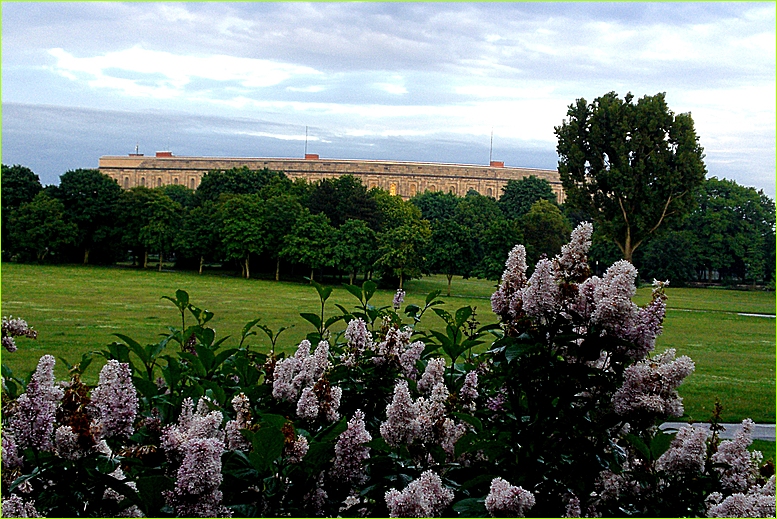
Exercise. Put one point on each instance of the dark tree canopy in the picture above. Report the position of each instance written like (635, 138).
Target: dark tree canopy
(545, 230)
(341, 199)
(18, 186)
(519, 195)
(633, 167)
(238, 181)
(91, 201)
(436, 205)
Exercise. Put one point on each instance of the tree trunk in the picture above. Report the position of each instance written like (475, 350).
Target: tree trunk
(248, 272)
(161, 258)
(400, 280)
(450, 276)
(351, 277)
(278, 269)
(202, 261)
(145, 259)
(86, 256)
(311, 275)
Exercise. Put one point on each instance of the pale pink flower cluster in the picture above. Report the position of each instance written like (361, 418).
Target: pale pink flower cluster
(506, 301)
(433, 375)
(66, 443)
(542, 295)
(320, 401)
(506, 500)
(32, 421)
(687, 452)
(10, 453)
(469, 390)
(351, 451)
(396, 348)
(422, 420)
(399, 298)
(202, 424)
(572, 263)
(296, 450)
(423, 497)
(561, 288)
(303, 370)
(359, 340)
(196, 492)
(15, 506)
(15, 328)
(740, 466)
(233, 438)
(114, 401)
(759, 501)
(650, 386)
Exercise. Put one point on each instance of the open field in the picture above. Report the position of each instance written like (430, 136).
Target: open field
(77, 309)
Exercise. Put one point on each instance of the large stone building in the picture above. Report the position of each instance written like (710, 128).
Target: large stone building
(399, 178)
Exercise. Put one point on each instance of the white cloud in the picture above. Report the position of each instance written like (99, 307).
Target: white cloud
(169, 74)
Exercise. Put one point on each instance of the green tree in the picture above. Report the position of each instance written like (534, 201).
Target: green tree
(179, 193)
(496, 241)
(436, 205)
(133, 212)
(476, 213)
(545, 230)
(310, 242)
(280, 213)
(242, 229)
(732, 224)
(91, 203)
(237, 181)
(163, 222)
(448, 249)
(670, 256)
(355, 248)
(38, 229)
(519, 195)
(199, 234)
(18, 185)
(393, 212)
(632, 167)
(401, 250)
(341, 199)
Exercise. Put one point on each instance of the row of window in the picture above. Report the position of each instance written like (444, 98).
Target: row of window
(432, 187)
(192, 182)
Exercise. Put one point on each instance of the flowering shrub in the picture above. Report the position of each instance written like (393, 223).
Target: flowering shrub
(554, 411)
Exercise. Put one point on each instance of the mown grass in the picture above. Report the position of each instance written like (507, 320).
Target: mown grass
(77, 309)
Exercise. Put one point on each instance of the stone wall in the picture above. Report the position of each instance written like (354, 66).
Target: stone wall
(400, 178)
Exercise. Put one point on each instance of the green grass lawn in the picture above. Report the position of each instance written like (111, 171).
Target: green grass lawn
(77, 309)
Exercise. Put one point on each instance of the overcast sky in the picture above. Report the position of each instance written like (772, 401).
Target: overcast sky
(396, 81)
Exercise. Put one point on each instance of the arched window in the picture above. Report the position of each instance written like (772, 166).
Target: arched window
(143, 181)
(159, 181)
(452, 190)
(175, 181)
(191, 183)
(126, 182)
(413, 189)
(393, 189)
(432, 188)
(489, 192)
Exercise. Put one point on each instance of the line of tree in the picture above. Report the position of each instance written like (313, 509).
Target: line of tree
(261, 221)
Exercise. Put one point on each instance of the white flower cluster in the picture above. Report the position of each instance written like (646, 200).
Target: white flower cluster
(191, 425)
(397, 348)
(233, 438)
(32, 421)
(15, 328)
(739, 467)
(359, 340)
(293, 374)
(423, 497)
(351, 452)
(650, 386)
(506, 500)
(15, 506)
(758, 501)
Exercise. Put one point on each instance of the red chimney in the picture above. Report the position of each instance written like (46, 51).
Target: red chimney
(311, 156)
(164, 153)
(497, 164)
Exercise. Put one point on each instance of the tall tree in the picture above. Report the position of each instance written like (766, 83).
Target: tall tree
(401, 250)
(91, 202)
(341, 199)
(279, 214)
(38, 229)
(436, 205)
(545, 231)
(497, 240)
(242, 229)
(199, 235)
(163, 223)
(448, 249)
(632, 166)
(18, 185)
(519, 195)
(310, 242)
(354, 248)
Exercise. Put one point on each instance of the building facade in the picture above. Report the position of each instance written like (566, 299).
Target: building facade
(398, 178)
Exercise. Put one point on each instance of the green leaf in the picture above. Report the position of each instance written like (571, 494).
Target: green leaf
(369, 288)
(313, 319)
(194, 362)
(146, 388)
(432, 296)
(267, 445)
(150, 490)
(638, 444)
(462, 314)
(135, 347)
(323, 292)
(355, 291)
(332, 320)
(206, 356)
(515, 350)
(472, 420)
(660, 444)
(471, 507)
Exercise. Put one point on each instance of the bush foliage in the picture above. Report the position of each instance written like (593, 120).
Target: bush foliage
(552, 412)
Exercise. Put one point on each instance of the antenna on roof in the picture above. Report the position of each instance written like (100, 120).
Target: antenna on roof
(491, 150)
(137, 147)
(306, 140)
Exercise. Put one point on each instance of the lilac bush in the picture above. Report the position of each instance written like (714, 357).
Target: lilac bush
(554, 411)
